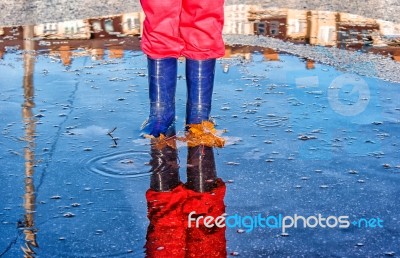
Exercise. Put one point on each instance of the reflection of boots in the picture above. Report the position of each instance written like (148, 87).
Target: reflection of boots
(201, 173)
(205, 198)
(164, 168)
(166, 232)
(162, 86)
(200, 82)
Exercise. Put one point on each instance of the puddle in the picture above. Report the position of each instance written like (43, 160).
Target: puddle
(310, 115)
(130, 164)
(272, 121)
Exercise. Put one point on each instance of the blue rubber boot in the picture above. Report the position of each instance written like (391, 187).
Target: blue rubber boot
(162, 87)
(200, 83)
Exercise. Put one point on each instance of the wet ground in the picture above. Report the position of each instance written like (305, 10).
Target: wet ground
(75, 171)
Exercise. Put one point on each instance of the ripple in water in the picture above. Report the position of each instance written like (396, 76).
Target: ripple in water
(271, 121)
(128, 164)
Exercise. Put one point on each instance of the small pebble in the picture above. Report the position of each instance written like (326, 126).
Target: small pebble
(390, 253)
(69, 215)
(306, 137)
(231, 163)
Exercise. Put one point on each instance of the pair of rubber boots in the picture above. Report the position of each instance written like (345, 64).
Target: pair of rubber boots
(162, 88)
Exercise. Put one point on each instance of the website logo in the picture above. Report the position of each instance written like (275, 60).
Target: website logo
(249, 223)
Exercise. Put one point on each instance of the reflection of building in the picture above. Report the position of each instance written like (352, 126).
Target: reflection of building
(66, 40)
(355, 31)
(117, 25)
(389, 34)
(314, 27)
(116, 52)
(132, 23)
(106, 27)
(97, 53)
(101, 27)
(396, 55)
(65, 54)
(310, 64)
(269, 22)
(238, 51)
(296, 24)
(321, 28)
(271, 54)
(236, 19)
(94, 48)
(78, 29)
(389, 29)
(11, 33)
(245, 52)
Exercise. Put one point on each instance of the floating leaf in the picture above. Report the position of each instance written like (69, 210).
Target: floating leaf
(162, 141)
(203, 134)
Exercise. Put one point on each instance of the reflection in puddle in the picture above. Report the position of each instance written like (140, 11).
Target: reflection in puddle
(129, 164)
(301, 116)
(349, 42)
(170, 202)
(271, 121)
(29, 227)
(321, 28)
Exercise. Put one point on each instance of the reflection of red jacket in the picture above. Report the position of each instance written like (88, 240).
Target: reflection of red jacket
(168, 234)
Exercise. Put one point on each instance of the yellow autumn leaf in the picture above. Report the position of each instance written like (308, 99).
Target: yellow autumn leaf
(203, 134)
(162, 141)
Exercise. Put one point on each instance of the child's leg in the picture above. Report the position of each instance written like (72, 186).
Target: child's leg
(201, 28)
(162, 44)
(201, 24)
(162, 86)
(161, 36)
